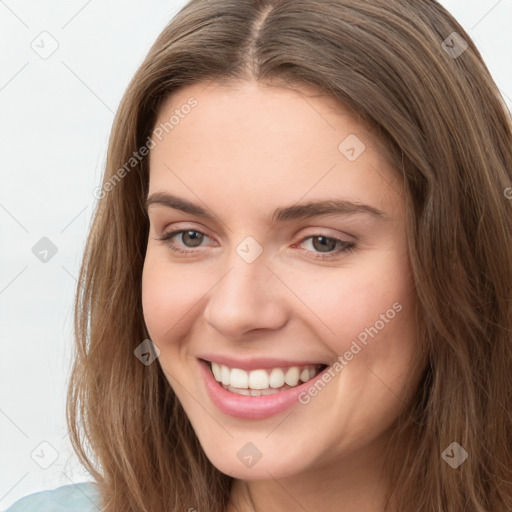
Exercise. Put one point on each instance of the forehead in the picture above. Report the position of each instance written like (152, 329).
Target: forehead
(249, 142)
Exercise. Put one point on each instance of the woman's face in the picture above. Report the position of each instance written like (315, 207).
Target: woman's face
(279, 270)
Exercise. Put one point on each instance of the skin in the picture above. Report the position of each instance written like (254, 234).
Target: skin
(242, 152)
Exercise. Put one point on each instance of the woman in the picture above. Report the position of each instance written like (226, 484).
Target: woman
(296, 290)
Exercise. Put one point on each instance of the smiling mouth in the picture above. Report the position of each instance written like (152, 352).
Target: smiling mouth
(265, 381)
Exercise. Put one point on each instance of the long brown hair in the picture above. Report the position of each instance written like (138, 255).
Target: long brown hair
(432, 103)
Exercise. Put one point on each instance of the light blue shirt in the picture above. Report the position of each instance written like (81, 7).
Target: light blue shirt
(81, 497)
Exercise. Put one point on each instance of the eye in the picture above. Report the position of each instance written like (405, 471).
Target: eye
(188, 236)
(326, 247)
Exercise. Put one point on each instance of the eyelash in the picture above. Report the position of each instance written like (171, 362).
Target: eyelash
(347, 247)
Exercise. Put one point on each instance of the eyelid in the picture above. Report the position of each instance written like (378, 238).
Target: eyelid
(328, 233)
(177, 226)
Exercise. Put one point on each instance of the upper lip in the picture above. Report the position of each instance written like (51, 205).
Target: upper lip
(255, 363)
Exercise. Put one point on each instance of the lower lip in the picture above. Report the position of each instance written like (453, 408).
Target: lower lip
(251, 407)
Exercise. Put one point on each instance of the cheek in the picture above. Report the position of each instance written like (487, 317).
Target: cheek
(167, 297)
(354, 303)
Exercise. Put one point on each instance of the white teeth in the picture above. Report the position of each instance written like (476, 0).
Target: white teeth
(292, 376)
(252, 392)
(216, 372)
(225, 375)
(258, 379)
(276, 379)
(246, 392)
(262, 382)
(239, 379)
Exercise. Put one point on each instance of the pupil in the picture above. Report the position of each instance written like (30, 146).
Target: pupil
(196, 240)
(331, 244)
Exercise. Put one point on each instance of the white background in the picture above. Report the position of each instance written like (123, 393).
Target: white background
(56, 115)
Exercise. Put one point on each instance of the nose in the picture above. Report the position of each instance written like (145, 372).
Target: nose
(249, 296)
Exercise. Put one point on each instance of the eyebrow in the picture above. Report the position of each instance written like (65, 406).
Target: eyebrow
(296, 211)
